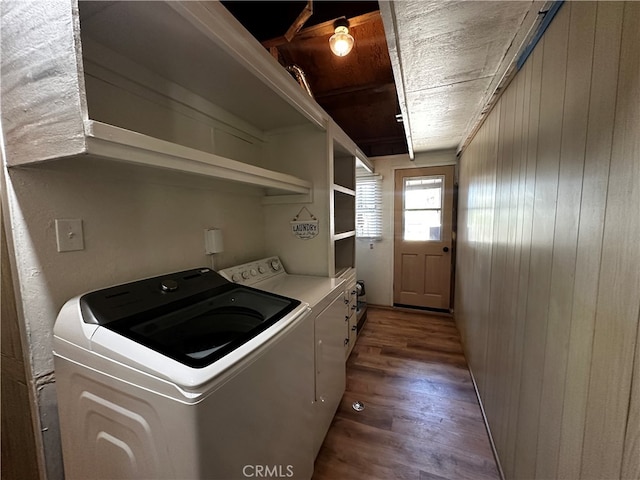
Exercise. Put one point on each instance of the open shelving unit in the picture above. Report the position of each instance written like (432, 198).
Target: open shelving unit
(181, 89)
(107, 141)
(176, 85)
(343, 200)
(344, 219)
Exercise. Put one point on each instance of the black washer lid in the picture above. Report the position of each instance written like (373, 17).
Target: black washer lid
(122, 301)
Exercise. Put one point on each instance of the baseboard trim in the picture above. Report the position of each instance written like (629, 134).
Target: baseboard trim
(437, 313)
(423, 309)
(486, 424)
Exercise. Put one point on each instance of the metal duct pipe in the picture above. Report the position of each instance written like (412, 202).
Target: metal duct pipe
(300, 77)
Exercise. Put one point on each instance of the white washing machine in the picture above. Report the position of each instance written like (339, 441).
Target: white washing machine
(325, 296)
(185, 376)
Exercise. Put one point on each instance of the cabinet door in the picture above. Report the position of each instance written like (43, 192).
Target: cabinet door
(330, 366)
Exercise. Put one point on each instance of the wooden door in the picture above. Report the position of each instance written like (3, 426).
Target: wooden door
(423, 215)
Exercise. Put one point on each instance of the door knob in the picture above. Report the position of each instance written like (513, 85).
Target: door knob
(445, 249)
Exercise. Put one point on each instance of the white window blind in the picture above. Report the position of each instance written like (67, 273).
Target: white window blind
(369, 207)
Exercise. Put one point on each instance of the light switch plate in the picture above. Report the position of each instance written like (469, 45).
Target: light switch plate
(69, 234)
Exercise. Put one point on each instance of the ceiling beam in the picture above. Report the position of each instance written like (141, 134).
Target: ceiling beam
(299, 22)
(387, 11)
(378, 87)
(322, 29)
(380, 140)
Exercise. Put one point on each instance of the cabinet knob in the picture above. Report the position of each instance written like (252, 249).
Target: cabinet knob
(445, 249)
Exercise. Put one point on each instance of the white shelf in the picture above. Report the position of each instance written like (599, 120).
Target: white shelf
(203, 48)
(341, 236)
(107, 141)
(345, 190)
(165, 69)
(344, 252)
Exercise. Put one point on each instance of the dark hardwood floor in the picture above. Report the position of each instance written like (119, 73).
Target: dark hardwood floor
(421, 418)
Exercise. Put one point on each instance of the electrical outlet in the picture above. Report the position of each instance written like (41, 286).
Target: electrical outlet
(69, 235)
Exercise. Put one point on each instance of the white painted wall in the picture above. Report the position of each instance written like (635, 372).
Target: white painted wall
(137, 223)
(301, 152)
(374, 260)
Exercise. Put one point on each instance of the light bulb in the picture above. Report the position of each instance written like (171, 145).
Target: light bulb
(341, 42)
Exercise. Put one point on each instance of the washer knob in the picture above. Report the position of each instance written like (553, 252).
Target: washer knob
(235, 277)
(245, 274)
(275, 265)
(261, 269)
(254, 272)
(168, 285)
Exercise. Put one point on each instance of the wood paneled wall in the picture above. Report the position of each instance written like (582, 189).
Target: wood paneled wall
(548, 272)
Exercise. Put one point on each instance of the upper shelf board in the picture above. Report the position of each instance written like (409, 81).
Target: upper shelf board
(202, 47)
(107, 141)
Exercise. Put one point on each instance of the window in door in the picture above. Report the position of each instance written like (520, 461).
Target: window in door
(422, 208)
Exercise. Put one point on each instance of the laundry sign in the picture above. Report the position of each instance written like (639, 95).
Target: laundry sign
(304, 229)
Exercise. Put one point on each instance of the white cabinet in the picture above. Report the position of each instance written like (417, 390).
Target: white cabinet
(350, 300)
(330, 366)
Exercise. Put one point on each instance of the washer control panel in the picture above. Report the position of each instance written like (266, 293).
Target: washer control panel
(254, 272)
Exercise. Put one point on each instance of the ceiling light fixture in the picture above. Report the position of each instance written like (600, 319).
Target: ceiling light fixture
(341, 42)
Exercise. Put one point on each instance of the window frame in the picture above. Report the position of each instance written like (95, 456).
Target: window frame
(368, 210)
(439, 209)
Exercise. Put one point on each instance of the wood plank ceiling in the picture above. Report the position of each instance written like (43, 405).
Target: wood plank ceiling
(440, 64)
(357, 90)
